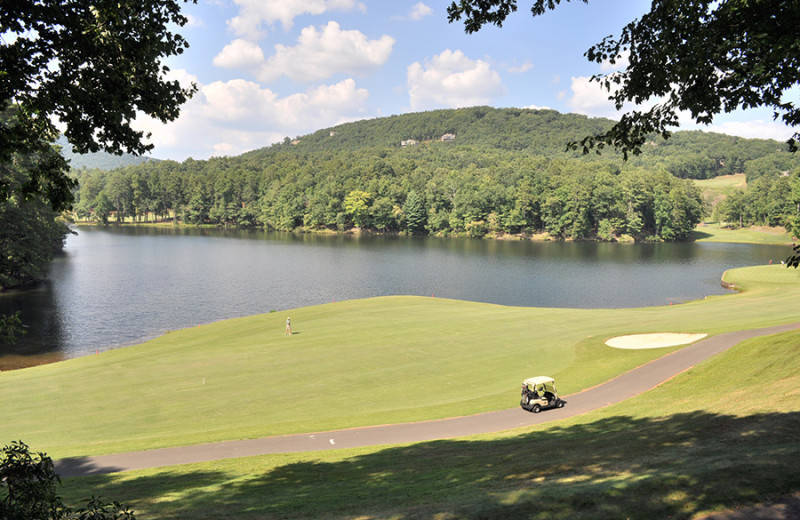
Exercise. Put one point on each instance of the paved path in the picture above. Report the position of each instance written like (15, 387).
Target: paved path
(623, 387)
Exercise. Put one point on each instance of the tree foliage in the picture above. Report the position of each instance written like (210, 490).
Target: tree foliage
(504, 173)
(93, 66)
(11, 327)
(703, 57)
(29, 490)
(30, 231)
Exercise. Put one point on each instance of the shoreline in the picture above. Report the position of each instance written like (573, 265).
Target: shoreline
(752, 235)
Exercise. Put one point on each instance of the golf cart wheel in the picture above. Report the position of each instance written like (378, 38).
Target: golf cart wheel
(560, 404)
(536, 408)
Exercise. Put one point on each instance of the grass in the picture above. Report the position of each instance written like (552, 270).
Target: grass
(352, 363)
(722, 183)
(716, 189)
(713, 232)
(722, 435)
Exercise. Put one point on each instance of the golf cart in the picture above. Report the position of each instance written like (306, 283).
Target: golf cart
(539, 393)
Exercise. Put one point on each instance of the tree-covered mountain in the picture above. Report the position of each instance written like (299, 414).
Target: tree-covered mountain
(97, 160)
(541, 132)
(468, 172)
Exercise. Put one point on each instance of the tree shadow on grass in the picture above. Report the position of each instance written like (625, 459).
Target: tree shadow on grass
(620, 467)
(699, 235)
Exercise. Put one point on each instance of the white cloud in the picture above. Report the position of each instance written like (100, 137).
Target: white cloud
(193, 21)
(321, 54)
(621, 63)
(238, 102)
(452, 80)
(323, 106)
(755, 129)
(184, 78)
(232, 117)
(590, 98)
(240, 54)
(255, 14)
(519, 69)
(420, 11)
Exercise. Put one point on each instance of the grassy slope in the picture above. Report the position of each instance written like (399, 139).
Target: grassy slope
(716, 189)
(712, 232)
(724, 434)
(350, 363)
(722, 184)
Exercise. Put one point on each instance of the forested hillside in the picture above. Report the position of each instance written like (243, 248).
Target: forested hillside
(97, 160)
(467, 172)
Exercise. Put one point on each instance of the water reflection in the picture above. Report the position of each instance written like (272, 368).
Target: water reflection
(119, 286)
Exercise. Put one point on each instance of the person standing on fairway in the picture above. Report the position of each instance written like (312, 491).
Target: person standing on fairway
(288, 327)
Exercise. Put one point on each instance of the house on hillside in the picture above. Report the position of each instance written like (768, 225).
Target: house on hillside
(408, 142)
(449, 137)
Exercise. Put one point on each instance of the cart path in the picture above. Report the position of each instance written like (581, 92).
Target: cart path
(618, 389)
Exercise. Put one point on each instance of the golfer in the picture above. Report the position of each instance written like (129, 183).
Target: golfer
(288, 327)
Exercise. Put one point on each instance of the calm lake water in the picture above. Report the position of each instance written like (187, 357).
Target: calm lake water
(116, 287)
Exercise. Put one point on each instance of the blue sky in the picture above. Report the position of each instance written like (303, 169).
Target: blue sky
(269, 69)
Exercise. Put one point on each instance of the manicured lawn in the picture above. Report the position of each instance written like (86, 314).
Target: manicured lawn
(712, 232)
(722, 435)
(722, 182)
(716, 189)
(350, 363)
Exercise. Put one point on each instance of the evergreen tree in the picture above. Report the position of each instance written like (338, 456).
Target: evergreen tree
(414, 213)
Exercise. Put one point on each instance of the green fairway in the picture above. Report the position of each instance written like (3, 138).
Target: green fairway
(712, 232)
(722, 182)
(722, 435)
(350, 363)
(716, 189)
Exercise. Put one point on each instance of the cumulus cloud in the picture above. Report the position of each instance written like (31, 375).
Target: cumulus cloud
(320, 54)
(240, 54)
(452, 80)
(231, 117)
(590, 98)
(255, 14)
(420, 11)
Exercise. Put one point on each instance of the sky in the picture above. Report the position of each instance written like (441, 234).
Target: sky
(271, 69)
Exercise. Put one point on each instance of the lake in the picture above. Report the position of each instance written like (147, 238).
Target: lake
(120, 286)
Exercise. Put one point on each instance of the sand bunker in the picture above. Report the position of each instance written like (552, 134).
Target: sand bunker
(658, 340)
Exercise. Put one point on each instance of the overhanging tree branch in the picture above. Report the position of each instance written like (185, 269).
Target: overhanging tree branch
(94, 66)
(703, 58)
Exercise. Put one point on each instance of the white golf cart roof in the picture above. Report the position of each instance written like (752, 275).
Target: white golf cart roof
(538, 380)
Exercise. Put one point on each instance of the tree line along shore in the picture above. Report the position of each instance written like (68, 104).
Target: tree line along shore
(476, 172)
